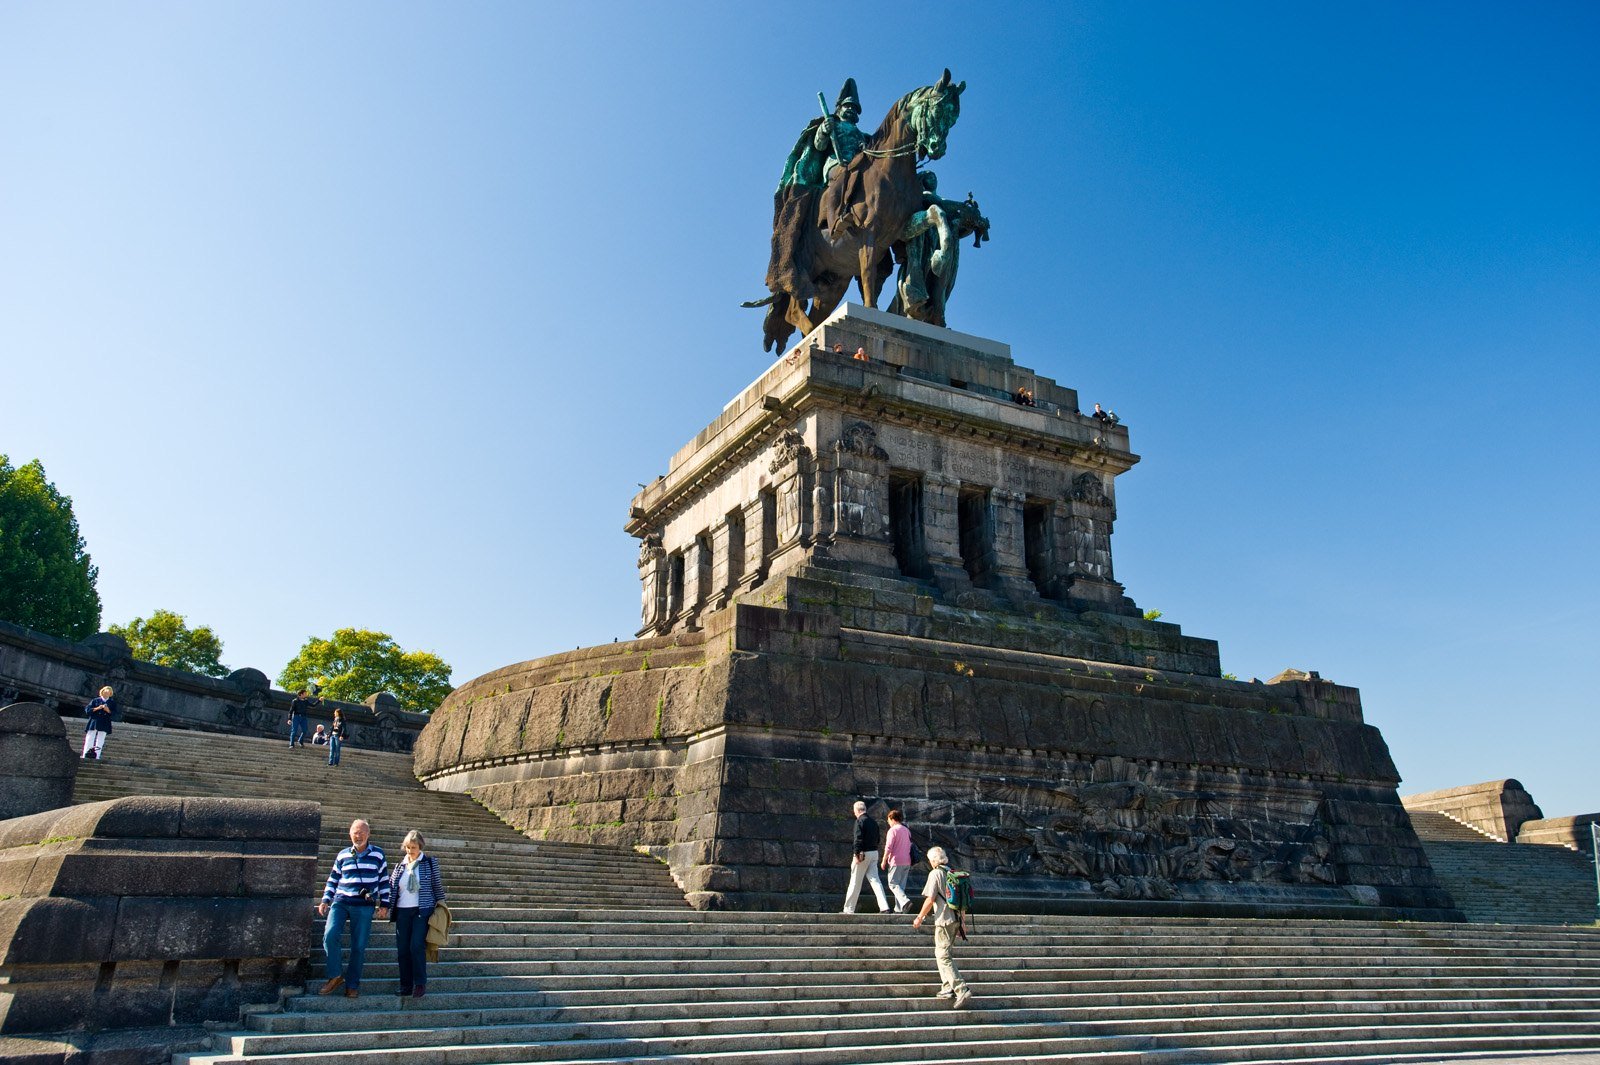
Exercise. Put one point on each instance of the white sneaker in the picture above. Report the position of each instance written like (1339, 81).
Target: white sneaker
(963, 998)
(946, 993)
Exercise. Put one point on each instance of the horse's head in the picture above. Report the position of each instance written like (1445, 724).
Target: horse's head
(934, 109)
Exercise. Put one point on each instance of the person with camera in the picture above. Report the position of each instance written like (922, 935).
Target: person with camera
(302, 703)
(357, 891)
(99, 712)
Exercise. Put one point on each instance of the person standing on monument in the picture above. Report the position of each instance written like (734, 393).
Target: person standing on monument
(945, 920)
(302, 704)
(864, 864)
(99, 712)
(357, 891)
(335, 738)
(897, 859)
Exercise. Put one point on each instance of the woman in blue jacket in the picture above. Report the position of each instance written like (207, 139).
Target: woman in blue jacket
(99, 712)
(416, 888)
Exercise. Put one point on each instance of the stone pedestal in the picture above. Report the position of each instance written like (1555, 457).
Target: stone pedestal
(40, 766)
(925, 616)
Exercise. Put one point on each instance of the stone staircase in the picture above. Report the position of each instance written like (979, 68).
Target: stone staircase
(1434, 826)
(551, 970)
(485, 861)
(1507, 883)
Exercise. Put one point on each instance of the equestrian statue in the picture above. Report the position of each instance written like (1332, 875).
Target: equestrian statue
(852, 205)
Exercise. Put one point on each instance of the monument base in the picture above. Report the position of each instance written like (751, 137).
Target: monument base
(884, 572)
(1066, 785)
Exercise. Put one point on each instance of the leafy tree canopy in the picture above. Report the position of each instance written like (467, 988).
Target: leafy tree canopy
(166, 639)
(46, 578)
(357, 663)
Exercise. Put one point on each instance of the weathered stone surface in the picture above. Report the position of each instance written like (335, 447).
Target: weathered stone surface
(63, 676)
(1573, 832)
(1052, 778)
(152, 910)
(40, 768)
(891, 579)
(1498, 807)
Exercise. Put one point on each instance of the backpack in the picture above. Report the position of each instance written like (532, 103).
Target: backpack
(958, 896)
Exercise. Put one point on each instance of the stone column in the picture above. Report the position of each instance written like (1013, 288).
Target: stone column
(697, 571)
(727, 558)
(1010, 548)
(1088, 555)
(941, 532)
(859, 501)
(755, 546)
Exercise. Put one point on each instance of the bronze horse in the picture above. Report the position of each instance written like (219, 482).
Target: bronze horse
(823, 237)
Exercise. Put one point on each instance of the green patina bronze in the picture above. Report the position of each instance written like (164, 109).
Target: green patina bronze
(853, 206)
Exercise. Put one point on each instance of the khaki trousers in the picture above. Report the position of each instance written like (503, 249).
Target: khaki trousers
(944, 941)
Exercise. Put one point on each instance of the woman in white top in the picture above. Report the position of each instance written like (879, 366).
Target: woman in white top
(416, 888)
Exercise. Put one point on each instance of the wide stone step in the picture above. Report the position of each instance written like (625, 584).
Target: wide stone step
(562, 952)
(575, 990)
(1063, 1006)
(967, 1036)
(1016, 1022)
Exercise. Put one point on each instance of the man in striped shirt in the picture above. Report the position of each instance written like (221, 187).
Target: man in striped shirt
(358, 890)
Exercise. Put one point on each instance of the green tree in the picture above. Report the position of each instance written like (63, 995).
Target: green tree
(166, 639)
(46, 578)
(357, 663)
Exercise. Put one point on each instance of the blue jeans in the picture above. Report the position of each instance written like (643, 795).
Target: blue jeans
(411, 941)
(360, 920)
(333, 750)
(297, 729)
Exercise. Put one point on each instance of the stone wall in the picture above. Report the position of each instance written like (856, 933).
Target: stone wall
(64, 676)
(145, 912)
(1570, 832)
(40, 767)
(735, 753)
(1497, 807)
(920, 461)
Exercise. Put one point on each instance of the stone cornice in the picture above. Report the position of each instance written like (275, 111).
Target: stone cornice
(819, 379)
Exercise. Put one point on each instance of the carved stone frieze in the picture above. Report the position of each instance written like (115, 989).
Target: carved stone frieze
(1089, 489)
(861, 439)
(789, 447)
(650, 550)
(1131, 840)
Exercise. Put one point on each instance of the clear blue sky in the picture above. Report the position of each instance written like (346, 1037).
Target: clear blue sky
(375, 314)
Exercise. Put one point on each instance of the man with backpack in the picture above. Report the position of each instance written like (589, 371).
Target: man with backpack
(947, 920)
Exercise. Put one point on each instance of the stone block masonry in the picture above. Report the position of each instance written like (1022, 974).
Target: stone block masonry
(40, 766)
(891, 579)
(64, 676)
(146, 912)
(734, 753)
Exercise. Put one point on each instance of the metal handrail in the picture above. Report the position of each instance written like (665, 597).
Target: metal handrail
(1594, 852)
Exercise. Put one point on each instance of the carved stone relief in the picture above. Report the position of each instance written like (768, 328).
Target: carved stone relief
(789, 447)
(1133, 840)
(862, 439)
(1088, 488)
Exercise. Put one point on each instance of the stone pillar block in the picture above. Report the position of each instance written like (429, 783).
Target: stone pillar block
(1011, 561)
(40, 766)
(942, 533)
